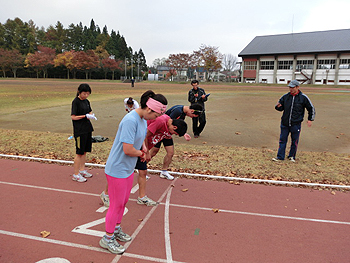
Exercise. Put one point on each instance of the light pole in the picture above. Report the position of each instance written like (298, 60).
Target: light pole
(125, 68)
(138, 69)
(132, 69)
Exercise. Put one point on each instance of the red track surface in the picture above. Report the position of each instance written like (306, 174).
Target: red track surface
(255, 223)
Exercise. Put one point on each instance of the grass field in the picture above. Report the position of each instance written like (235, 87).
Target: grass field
(239, 140)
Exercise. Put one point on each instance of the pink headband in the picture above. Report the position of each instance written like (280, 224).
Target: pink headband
(156, 106)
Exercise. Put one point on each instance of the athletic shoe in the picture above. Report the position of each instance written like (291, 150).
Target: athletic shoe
(78, 178)
(276, 159)
(292, 159)
(85, 173)
(166, 175)
(196, 136)
(121, 236)
(105, 199)
(112, 245)
(146, 201)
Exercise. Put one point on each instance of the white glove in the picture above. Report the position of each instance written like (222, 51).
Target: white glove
(91, 116)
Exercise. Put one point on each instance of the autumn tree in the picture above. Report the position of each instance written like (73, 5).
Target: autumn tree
(109, 64)
(208, 57)
(85, 61)
(65, 59)
(171, 74)
(10, 60)
(179, 62)
(42, 59)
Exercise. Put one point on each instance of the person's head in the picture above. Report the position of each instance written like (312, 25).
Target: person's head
(130, 102)
(195, 110)
(195, 83)
(294, 86)
(84, 91)
(177, 126)
(153, 104)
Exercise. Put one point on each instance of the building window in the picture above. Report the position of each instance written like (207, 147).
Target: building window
(249, 65)
(344, 64)
(326, 64)
(285, 64)
(267, 65)
(304, 64)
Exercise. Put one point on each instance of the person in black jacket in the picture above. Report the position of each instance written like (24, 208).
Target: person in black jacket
(293, 105)
(197, 95)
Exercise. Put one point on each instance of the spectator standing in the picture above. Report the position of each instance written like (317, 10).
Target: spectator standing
(81, 114)
(293, 105)
(197, 95)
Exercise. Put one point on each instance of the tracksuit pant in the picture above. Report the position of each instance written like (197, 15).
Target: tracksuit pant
(294, 131)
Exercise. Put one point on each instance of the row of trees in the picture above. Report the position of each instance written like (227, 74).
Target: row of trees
(207, 57)
(23, 45)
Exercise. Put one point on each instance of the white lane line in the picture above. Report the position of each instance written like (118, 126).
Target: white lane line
(265, 215)
(48, 188)
(169, 255)
(74, 245)
(143, 223)
(192, 207)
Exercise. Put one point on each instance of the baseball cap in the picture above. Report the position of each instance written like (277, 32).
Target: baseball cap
(293, 83)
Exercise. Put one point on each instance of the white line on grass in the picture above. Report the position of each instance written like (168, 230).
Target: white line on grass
(193, 175)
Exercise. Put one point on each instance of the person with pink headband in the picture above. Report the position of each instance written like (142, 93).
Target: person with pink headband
(156, 106)
(120, 165)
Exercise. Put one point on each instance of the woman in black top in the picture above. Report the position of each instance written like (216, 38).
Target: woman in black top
(81, 114)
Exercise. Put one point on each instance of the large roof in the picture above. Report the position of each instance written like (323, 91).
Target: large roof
(311, 42)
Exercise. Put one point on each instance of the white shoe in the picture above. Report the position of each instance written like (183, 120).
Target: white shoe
(78, 178)
(292, 159)
(105, 199)
(166, 175)
(85, 173)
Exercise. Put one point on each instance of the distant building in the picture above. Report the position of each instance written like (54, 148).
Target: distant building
(162, 71)
(321, 57)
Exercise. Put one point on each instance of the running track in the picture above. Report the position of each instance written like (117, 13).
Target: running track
(254, 223)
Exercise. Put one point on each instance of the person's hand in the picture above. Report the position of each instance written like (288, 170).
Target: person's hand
(91, 116)
(278, 105)
(203, 96)
(196, 95)
(187, 137)
(309, 123)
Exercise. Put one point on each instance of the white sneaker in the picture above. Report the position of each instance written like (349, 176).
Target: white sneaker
(105, 199)
(166, 175)
(78, 178)
(292, 159)
(146, 201)
(85, 173)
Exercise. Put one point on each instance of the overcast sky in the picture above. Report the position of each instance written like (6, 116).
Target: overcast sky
(162, 27)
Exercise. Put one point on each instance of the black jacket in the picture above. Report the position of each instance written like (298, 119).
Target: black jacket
(293, 108)
(192, 99)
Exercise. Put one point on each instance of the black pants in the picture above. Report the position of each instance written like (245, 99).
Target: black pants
(202, 121)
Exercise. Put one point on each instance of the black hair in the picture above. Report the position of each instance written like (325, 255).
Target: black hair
(194, 81)
(150, 94)
(196, 107)
(181, 126)
(130, 101)
(84, 87)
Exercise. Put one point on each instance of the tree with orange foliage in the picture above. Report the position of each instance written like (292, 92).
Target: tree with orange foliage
(42, 59)
(65, 59)
(171, 74)
(109, 64)
(179, 62)
(208, 57)
(85, 61)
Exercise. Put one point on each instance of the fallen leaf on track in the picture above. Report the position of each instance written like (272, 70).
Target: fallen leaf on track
(45, 233)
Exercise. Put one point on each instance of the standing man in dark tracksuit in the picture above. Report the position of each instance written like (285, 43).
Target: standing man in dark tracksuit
(197, 95)
(293, 105)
